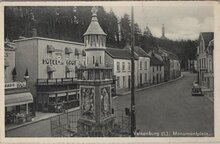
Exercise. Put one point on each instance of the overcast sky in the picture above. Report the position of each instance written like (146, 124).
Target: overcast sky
(180, 22)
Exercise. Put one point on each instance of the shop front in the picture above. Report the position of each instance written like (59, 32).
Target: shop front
(58, 101)
(18, 107)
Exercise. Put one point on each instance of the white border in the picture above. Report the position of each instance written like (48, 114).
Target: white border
(118, 140)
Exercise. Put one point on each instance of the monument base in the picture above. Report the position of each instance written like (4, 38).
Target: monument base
(87, 127)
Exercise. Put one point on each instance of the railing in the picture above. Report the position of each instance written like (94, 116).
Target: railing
(56, 81)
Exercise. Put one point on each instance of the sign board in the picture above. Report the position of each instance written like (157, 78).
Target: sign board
(13, 85)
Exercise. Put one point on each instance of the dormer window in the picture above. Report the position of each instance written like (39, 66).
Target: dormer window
(68, 52)
(50, 50)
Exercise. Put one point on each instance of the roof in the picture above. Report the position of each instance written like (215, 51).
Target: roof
(119, 53)
(207, 37)
(49, 39)
(170, 54)
(9, 46)
(94, 27)
(140, 52)
(155, 61)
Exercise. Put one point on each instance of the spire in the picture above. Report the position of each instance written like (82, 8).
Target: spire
(94, 27)
(163, 33)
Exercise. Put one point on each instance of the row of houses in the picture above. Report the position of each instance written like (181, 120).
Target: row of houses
(205, 60)
(52, 65)
(47, 69)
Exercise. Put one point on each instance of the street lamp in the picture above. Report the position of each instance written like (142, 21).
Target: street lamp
(133, 122)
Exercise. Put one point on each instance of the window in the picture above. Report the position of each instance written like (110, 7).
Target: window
(50, 75)
(140, 65)
(100, 59)
(67, 55)
(145, 65)
(153, 68)
(123, 66)
(118, 66)
(118, 82)
(49, 54)
(124, 82)
(145, 76)
(93, 59)
(129, 66)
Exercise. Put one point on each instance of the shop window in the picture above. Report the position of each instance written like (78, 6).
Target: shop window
(73, 97)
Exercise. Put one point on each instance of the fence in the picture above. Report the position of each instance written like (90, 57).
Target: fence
(65, 125)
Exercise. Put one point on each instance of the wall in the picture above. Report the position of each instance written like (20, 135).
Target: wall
(96, 54)
(10, 58)
(144, 70)
(60, 72)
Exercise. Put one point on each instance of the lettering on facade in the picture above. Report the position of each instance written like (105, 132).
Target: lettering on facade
(58, 62)
(13, 85)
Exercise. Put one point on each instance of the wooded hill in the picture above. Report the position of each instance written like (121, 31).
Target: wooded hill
(70, 23)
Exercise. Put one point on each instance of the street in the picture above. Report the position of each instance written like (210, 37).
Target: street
(165, 110)
(169, 109)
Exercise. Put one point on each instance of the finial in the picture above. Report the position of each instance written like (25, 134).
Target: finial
(94, 10)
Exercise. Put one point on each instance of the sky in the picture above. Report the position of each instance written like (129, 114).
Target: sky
(181, 22)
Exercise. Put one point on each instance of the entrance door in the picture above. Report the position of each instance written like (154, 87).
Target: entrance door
(129, 82)
(140, 79)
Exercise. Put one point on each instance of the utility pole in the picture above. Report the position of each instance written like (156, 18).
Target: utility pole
(133, 122)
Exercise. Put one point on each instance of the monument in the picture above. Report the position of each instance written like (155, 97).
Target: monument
(95, 84)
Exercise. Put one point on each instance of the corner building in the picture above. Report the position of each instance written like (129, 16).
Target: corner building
(52, 68)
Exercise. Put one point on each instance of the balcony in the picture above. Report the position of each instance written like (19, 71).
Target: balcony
(56, 81)
(95, 74)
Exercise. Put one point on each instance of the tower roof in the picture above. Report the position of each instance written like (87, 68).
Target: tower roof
(94, 27)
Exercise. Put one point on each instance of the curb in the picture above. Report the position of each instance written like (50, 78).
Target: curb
(32, 122)
(137, 90)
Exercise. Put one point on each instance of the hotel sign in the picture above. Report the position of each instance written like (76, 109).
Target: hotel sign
(14, 85)
(58, 62)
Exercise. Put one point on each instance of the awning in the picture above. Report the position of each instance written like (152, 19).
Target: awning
(68, 50)
(6, 63)
(18, 99)
(83, 53)
(50, 48)
(69, 68)
(50, 68)
(76, 51)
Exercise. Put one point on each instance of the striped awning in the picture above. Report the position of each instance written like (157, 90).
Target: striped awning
(6, 63)
(68, 50)
(50, 48)
(50, 69)
(69, 68)
(18, 99)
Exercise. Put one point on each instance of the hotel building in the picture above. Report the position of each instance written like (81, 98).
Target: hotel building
(52, 66)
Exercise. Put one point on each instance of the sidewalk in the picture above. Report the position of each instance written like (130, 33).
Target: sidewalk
(39, 117)
(208, 93)
(122, 92)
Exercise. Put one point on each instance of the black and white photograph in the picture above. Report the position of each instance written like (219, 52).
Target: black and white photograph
(109, 70)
